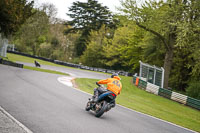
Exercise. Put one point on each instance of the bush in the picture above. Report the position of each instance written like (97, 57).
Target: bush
(194, 89)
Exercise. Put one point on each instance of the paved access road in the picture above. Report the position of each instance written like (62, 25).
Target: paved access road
(44, 105)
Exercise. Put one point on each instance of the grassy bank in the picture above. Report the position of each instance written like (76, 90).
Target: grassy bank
(151, 104)
(44, 70)
(15, 58)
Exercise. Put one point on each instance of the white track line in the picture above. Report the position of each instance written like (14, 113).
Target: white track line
(16, 121)
(133, 110)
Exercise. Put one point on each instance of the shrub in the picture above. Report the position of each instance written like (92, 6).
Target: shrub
(193, 89)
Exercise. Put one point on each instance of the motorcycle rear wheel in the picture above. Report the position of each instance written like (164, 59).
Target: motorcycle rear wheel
(100, 112)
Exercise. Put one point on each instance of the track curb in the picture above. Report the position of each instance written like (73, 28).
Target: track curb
(15, 120)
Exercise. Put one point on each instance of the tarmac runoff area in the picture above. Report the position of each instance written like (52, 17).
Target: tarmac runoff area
(9, 124)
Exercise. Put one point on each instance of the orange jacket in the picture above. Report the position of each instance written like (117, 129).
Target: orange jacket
(113, 84)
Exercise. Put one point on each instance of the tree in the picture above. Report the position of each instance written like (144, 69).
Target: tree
(93, 55)
(186, 69)
(33, 32)
(124, 50)
(161, 20)
(13, 13)
(88, 16)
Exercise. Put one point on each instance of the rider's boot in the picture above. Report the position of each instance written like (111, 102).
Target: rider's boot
(95, 97)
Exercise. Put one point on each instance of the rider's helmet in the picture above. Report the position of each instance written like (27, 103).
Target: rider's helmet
(114, 74)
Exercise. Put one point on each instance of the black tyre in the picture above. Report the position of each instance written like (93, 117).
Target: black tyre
(102, 109)
(88, 107)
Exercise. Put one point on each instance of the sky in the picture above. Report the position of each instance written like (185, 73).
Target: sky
(63, 5)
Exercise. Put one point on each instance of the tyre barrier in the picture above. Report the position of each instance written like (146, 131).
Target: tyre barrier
(152, 88)
(10, 63)
(193, 103)
(179, 97)
(123, 73)
(183, 99)
(165, 93)
(142, 84)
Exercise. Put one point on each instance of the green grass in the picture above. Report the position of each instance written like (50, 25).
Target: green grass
(15, 57)
(151, 104)
(44, 70)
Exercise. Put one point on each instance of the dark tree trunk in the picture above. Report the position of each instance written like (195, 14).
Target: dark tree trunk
(169, 58)
(167, 66)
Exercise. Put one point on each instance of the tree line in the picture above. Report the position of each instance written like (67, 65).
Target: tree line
(165, 33)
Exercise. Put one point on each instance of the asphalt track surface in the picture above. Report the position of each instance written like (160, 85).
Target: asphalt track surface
(44, 105)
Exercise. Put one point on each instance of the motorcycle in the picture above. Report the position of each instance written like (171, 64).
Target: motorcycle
(104, 103)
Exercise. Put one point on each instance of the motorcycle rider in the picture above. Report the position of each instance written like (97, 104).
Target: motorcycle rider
(113, 84)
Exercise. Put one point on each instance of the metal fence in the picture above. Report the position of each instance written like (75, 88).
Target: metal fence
(3, 46)
(152, 74)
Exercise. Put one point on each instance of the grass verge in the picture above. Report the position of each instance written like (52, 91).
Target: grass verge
(44, 70)
(20, 58)
(15, 58)
(148, 103)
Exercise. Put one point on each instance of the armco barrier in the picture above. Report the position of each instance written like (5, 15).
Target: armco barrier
(165, 93)
(193, 103)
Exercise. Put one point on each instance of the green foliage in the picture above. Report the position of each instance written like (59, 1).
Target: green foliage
(186, 62)
(131, 47)
(173, 24)
(88, 16)
(125, 49)
(81, 42)
(188, 37)
(43, 36)
(33, 32)
(193, 89)
(45, 49)
(93, 55)
(54, 41)
(13, 13)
